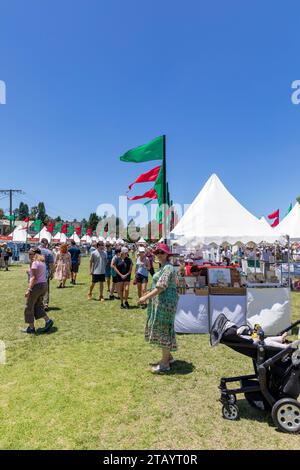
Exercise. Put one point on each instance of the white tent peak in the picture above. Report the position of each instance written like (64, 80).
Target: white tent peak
(216, 216)
(290, 225)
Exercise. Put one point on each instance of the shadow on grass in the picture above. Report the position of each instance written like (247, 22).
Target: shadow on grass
(248, 412)
(41, 331)
(181, 368)
(53, 309)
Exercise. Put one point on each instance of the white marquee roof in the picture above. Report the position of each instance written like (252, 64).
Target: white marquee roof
(215, 216)
(290, 225)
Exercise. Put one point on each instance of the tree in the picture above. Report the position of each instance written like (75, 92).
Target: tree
(93, 220)
(298, 199)
(41, 215)
(23, 211)
(58, 219)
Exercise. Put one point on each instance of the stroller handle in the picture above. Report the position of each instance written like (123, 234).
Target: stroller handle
(289, 328)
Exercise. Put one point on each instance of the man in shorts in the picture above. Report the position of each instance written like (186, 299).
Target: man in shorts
(98, 262)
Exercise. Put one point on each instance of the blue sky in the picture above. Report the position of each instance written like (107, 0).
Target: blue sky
(87, 81)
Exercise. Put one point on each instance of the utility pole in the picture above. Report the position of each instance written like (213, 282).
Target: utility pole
(10, 192)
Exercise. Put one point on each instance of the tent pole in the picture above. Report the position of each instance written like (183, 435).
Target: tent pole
(289, 267)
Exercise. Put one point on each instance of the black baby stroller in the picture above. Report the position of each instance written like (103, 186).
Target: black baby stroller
(275, 384)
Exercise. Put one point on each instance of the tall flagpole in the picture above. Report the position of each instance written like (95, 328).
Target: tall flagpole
(164, 188)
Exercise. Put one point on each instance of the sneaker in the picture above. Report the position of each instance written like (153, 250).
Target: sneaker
(111, 297)
(126, 304)
(101, 299)
(89, 296)
(30, 331)
(123, 306)
(160, 369)
(48, 325)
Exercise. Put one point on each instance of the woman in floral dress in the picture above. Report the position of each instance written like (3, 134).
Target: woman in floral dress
(162, 309)
(63, 266)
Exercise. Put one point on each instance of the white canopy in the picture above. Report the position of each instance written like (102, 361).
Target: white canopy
(216, 216)
(60, 237)
(264, 222)
(20, 234)
(86, 239)
(75, 237)
(142, 240)
(290, 225)
(43, 234)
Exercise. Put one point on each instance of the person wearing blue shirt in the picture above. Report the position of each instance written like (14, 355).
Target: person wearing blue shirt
(75, 261)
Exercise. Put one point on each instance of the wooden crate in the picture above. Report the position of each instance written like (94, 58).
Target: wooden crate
(201, 291)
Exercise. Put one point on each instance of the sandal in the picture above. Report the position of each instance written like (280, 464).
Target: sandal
(160, 369)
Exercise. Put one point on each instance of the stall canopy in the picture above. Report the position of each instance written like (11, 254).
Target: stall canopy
(215, 216)
(290, 225)
(75, 237)
(43, 234)
(20, 234)
(60, 237)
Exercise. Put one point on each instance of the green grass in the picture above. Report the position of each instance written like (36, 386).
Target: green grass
(88, 385)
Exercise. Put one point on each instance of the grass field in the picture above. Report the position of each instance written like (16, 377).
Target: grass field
(87, 385)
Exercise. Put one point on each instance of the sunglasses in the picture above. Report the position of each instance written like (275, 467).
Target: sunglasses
(160, 252)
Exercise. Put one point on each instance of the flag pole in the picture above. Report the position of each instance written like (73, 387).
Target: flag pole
(164, 188)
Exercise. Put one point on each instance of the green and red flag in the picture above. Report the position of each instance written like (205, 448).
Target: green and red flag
(153, 150)
(64, 229)
(50, 227)
(78, 231)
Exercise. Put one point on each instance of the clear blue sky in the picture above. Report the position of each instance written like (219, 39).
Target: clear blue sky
(88, 80)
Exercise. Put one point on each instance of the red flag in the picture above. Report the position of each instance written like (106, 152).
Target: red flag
(147, 177)
(64, 228)
(274, 215)
(50, 227)
(276, 222)
(89, 232)
(151, 194)
(26, 220)
(78, 230)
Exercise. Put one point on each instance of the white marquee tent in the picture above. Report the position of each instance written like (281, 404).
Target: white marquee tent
(59, 237)
(290, 225)
(215, 216)
(20, 234)
(43, 234)
(75, 237)
(86, 239)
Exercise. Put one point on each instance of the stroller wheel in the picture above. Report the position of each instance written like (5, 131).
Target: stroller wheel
(286, 415)
(230, 412)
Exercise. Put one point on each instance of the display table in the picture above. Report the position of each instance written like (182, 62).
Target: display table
(192, 314)
(270, 307)
(196, 313)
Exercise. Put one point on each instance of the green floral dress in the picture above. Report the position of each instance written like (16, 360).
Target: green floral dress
(162, 309)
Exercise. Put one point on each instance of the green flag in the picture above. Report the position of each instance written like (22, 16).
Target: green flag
(57, 227)
(289, 209)
(84, 230)
(159, 186)
(9, 217)
(154, 150)
(70, 231)
(36, 226)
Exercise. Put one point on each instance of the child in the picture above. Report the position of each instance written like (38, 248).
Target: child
(257, 334)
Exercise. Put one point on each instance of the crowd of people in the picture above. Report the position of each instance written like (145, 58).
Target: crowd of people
(114, 266)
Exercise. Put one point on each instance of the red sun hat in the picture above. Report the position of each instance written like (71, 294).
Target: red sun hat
(163, 247)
